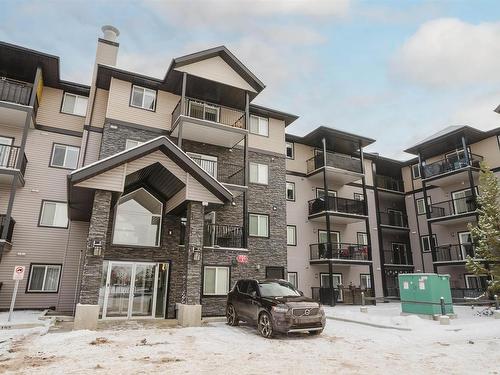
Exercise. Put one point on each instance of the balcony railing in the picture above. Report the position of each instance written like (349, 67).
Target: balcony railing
(339, 251)
(230, 236)
(398, 256)
(224, 172)
(452, 207)
(343, 205)
(456, 252)
(394, 219)
(9, 156)
(334, 160)
(462, 293)
(10, 231)
(450, 164)
(210, 112)
(13, 91)
(390, 183)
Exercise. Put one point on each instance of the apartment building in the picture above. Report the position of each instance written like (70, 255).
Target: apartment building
(138, 196)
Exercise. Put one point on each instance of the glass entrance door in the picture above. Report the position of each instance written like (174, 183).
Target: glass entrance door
(461, 201)
(118, 290)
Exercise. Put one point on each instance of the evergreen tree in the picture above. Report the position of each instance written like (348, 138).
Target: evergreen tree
(486, 234)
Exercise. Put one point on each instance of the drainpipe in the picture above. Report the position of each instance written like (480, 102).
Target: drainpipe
(246, 172)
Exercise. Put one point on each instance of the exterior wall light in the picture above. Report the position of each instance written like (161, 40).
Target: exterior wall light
(97, 246)
(196, 251)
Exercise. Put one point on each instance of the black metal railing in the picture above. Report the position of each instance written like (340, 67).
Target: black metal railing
(210, 112)
(324, 295)
(348, 296)
(453, 207)
(343, 205)
(451, 164)
(340, 161)
(462, 293)
(339, 251)
(394, 219)
(224, 172)
(10, 231)
(217, 235)
(398, 256)
(390, 183)
(392, 292)
(456, 252)
(14, 91)
(9, 156)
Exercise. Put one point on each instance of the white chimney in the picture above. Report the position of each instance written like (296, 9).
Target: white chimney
(111, 33)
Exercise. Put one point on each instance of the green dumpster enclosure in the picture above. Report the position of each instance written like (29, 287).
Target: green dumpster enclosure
(421, 293)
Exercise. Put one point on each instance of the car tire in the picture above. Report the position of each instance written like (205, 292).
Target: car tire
(232, 318)
(265, 325)
(316, 333)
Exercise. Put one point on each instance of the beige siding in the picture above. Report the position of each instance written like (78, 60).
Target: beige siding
(177, 199)
(301, 154)
(100, 105)
(93, 147)
(111, 180)
(276, 140)
(489, 149)
(197, 192)
(119, 108)
(49, 112)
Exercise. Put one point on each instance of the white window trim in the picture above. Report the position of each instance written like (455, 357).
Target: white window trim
(66, 147)
(293, 190)
(294, 235)
(368, 280)
(144, 90)
(128, 141)
(44, 278)
(205, 106)
(429, 203)
(296, 275)
(259, 216)
(76, 98)
(413, 171)
(292, 144)
(43, 210)
(215, 293)
(430, 245)
(258, 165)
(259, 118)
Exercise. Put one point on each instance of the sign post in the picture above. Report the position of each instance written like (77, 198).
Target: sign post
(18, 275)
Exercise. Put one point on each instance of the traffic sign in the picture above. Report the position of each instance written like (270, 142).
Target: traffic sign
(18, 273)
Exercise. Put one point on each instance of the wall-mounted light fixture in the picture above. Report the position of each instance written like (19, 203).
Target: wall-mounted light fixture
(275, 208)
(97, 246)
(170, 232)
(196, 253)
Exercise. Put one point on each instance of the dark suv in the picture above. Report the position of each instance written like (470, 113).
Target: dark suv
(274, 306)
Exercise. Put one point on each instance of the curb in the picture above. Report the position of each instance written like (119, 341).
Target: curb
(368, 324)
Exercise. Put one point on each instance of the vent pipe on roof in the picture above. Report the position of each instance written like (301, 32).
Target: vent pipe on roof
(111, 33)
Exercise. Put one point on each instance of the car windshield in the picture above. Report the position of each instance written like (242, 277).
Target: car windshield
(277, 289)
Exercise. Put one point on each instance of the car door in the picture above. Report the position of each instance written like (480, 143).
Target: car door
(252, 305)
(240, 298)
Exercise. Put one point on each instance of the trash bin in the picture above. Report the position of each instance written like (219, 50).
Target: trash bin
(421, 293)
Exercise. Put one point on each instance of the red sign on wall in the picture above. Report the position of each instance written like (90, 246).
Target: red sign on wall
(242, 258)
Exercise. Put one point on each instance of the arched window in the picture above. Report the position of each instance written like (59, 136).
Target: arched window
(138, 220)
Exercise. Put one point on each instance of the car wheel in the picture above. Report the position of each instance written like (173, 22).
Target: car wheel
(265, 325)
(232, 316)
(316, 333)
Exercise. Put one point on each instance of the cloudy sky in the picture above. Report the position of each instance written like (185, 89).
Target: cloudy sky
(394, 70)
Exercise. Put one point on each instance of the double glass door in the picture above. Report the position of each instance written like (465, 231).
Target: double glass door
(132, 289)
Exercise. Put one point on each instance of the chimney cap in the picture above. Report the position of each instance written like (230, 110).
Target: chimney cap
(110, 32)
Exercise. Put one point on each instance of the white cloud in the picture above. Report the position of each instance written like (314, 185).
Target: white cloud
(450, 52)
(477, 111)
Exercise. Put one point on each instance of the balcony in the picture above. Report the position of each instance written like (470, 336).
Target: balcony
(454, 253)
(393, 220)
(225, 173)
(390, 183)
(339, 252)
(442, 169)
(10, 231)
(398, 257)
(345, 210)
(342, 169)
(223, 236)
(453, 211)
(14, 101)
(9, 156)
(208, 123)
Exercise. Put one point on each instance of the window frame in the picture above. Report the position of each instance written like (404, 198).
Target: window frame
(335, 194)
(216, 266)
(132, 140)
(430, 245)
(357, 238)
(293, 184)
(250, 173)
(292, 144)
(413, 171)
(429, 204)
(51, 161)
(268, 225)
(258, 133)
(28, 283)
(131, 104)
(61, 110)
(294, 235)
(359, 197)
(296, 285)
(368, 277)
(40, 215)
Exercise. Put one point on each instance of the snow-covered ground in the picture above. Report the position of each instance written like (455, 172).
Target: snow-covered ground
(471, 344)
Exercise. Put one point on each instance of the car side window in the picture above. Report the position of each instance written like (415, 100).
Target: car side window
(243, 286)
(252, 289)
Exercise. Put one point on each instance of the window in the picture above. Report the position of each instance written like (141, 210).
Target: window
(421, 205)
(426, 245)
(129, 143)
(258, 173)
(362, 238)
(54, 214)
(293, 279)
(321, 193)
(290, 191)
(291, 235)
(74, 104)
(138, 220)
(143, 98)
(203, 111)
(206, 162)
(259, 125)
(359, 197)
(415, 171)
(289, 150)
(64, 156)
(259, 225)
(215, 281)
(44, 278)
(365, 281)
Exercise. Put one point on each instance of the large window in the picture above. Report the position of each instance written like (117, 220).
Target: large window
(215, 280)
(259, 125)
(74, 104)
(259, 225)
(64, 156)
(143, 98)
(138, 220)
(258, 173)
(290, 191)
(44, 278)
(426, 244)
(54, 214)
(291, 235)
(365, 281)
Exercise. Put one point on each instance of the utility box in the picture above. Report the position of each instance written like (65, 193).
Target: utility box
(421, 293)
